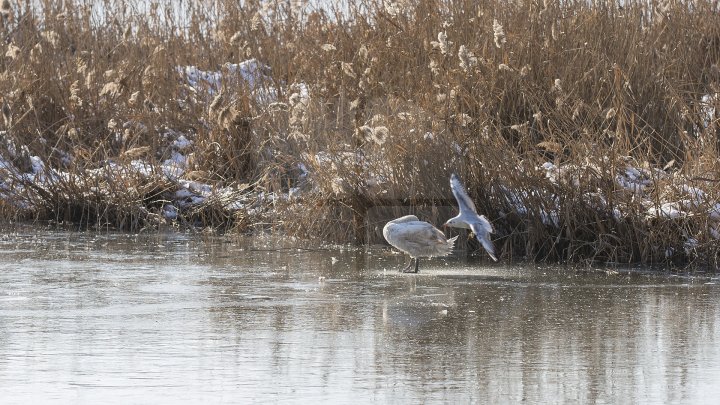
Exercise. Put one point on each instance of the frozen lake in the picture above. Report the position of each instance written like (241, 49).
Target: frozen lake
(167, 319)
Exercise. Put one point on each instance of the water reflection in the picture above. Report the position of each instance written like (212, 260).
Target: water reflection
(181, 319)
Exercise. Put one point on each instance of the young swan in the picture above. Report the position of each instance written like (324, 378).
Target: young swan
(468, 217)
(417, 239)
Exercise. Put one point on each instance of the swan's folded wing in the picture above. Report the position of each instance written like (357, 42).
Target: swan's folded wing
(420, 232)
(421, 239)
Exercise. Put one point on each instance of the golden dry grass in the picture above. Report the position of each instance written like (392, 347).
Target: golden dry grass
(401, 94)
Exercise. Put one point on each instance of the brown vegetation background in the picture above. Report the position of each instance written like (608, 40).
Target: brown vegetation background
(401, 94)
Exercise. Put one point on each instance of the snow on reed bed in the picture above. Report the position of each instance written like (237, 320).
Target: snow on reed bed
(31, 181)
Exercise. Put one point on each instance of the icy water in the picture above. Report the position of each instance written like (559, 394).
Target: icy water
(170, 319)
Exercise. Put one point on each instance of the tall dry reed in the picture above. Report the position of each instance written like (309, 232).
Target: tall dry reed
(541, 107)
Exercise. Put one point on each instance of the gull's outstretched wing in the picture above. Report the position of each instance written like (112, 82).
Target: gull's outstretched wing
(464, 201)
(486, 224)
(484, 238)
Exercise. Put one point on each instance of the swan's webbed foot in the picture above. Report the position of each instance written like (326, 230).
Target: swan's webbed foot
(409, 268)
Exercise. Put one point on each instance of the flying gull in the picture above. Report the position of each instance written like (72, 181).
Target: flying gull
(468, 217)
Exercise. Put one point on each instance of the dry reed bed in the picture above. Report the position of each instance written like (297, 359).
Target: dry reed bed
(585, 131)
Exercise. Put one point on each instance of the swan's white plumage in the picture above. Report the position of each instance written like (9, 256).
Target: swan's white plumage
(417, 238)
(468, 217)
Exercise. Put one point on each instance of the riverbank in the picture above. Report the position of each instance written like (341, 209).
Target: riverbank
(585, 133)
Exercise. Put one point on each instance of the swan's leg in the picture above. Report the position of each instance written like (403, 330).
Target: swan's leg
(407, 267)
(410, 266)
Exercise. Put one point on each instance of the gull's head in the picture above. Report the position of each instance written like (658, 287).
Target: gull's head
(452, 222)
